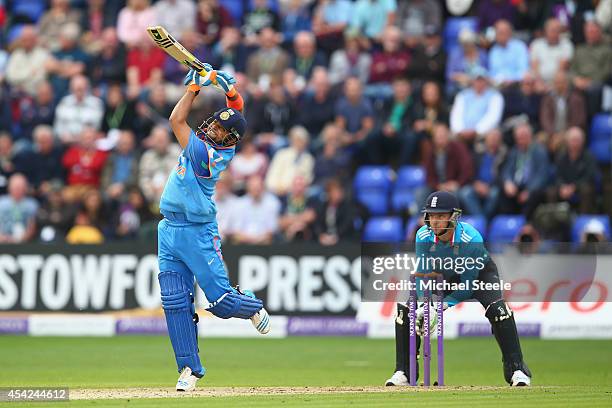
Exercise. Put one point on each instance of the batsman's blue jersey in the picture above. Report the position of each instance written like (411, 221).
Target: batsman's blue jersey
(191, 185)
(188, 238)
(454, 256)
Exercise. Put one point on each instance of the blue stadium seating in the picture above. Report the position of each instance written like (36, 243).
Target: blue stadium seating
(600, 138)
(582, 220)
(384, 229)
(504, 228)
(453, 27)
(408, 178)
(372, 185)
(477, 221)
(33, 9)
(14, 32)
(411, 225)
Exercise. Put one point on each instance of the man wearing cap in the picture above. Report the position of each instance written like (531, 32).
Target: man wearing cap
(445, 237)
(189, 244)
(477, 109)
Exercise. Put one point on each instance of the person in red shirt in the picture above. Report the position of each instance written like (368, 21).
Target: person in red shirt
(145, 64)
(392, 61)
(83, 163)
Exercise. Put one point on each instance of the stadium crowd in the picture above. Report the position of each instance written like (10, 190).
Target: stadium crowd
(497, 105)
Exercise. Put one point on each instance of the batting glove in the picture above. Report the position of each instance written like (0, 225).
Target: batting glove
(433, 317)
(225, 81)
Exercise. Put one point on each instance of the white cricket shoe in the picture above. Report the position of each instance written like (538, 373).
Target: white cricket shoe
(187, 381)
(398, 378)
(520, 379)
(261, 321)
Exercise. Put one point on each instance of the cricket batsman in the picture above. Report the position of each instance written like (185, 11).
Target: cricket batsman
(189, 244)
(443, 235)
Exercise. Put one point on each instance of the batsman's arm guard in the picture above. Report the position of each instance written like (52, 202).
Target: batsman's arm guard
(233, 99)
(236, 304)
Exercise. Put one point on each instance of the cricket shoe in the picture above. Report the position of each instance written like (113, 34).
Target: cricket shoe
(398, 378)
(187, 380)
(261, 321)
(520, 379)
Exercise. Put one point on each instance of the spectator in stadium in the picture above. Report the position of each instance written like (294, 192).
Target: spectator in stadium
(91, 220)
(351, 60)
(77, 110)
(448, 166)
(119, 112)
(267, 63)
(508, 57)
(592, 65)
(257, 19)
(525, 174)
(273, 116)
(6, 119)
(530, 15)
(524, 100)
(54, 217)
(154, 110)
(576, 173)
(329, 21)
(290, 162)
(17, 212)
(176, 16)
(298, 212)
(156, 163)
(481, 196)
(133, 21)
(24, 71)
(335, 216)
(428, 58)
(7, 160)
(478, 109)
(145, 65)
(132, 214)
(603, 15)
(230, 51)
(316, 105)
(391, 141)
(84, 164)
(45, 157)
(305, 55)
(295, 18)
(354, 112)
(256, 215)
(331, 160)
(53, 22)
(370, 17)
(225, 201)
(489, 12)
(109, 65)
(593, 231)
(68, 61)
(392, 61)
(561, 108)
(120, 170)
(97, 17)
(413, 16)
(462, 60)
(247, 162)
(39, 111)
(211, 20)
(428, 109)
(551, 53)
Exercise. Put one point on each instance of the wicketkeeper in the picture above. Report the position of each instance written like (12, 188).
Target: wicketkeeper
(189, 243)
(443, 235)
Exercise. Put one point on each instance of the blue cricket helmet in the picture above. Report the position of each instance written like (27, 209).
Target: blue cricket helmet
(231, 120)
(440, 202)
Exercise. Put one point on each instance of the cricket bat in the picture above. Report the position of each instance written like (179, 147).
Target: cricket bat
(164, 40)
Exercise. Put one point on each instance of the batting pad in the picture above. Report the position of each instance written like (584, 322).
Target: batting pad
(234, 304)
(177, 302)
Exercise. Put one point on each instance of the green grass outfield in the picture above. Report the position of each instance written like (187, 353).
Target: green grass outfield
(566, 373)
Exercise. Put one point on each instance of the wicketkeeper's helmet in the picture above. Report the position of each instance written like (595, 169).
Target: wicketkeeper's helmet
(440, 202)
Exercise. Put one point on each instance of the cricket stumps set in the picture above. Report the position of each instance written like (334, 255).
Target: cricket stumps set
(426, 340)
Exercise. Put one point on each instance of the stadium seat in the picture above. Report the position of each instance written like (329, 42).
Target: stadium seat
(602, 150)
(581, 221)
(601, 127)
(13, 33)
(411, 225)
(453, 27)
(32, 9)
(384, 229)
(372, 185)
(373, 177)
(408, 179)
(504, 228)
(235, 8)
(477, 221)
(375, 201)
